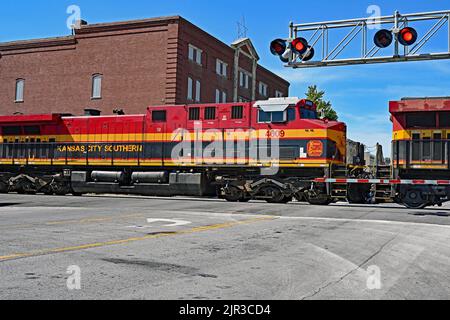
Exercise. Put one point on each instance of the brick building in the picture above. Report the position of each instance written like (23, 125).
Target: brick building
(130, 65)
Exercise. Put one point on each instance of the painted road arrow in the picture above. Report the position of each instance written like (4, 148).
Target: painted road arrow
(172, 222)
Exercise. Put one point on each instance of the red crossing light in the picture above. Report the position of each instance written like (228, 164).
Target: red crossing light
(299, 46)
(407, 36)
(383, 38)
(278, 47)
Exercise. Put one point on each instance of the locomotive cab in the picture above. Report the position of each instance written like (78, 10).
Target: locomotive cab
(305, 139)
(284, 110)
(421, 148)
(421, 132)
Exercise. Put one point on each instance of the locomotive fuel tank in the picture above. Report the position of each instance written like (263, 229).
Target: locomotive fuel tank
(150, 177)
(108, 176)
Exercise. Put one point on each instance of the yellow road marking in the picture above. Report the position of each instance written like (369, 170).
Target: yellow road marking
(130, 240)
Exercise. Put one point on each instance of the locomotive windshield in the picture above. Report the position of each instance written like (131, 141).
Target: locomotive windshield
(421, 120)
(308, 110)
(308, 114)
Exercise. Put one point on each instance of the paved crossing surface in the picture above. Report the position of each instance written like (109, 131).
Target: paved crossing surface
(185, 248)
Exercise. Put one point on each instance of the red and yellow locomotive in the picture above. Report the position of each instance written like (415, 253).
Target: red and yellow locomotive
(421, 149)
(175, 150)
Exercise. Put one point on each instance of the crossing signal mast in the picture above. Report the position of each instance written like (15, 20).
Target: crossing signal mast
(298, 52)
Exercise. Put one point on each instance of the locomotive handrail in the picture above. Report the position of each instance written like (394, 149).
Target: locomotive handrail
(383, 181)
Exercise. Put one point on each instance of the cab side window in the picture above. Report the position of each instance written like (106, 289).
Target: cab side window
(277, 116)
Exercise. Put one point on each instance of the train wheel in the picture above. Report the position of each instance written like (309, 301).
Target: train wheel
(319, 200)
(287, 200)
(357, 194)
(61, 189)
(3, 187)
(273, 194)
(233, 194)
(414, 199)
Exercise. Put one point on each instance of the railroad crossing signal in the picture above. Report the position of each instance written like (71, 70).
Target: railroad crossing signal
(383, 38)
(298, 52)
(407, 36)
(298, 46)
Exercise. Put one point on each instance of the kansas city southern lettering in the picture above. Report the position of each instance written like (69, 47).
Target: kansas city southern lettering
(100, 148)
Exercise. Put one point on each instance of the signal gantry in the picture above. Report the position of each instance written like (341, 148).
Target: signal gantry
(298, 51)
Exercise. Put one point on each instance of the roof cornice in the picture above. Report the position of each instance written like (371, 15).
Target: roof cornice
(37, 43)
(125, 25)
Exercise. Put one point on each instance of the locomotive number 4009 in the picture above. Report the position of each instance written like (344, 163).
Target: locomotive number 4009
(275, 134)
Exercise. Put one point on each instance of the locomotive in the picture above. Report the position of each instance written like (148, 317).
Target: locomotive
(421, 136)
(275, 150)
(266, 150)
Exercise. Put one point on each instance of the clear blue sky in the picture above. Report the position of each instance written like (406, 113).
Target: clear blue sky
(360, 94)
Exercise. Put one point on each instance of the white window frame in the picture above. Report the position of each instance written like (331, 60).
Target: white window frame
(20, 90)
(263, 89)
(195, 54)
(279, 94)
(221, 68)
(198, 90)
(221, 96)
(217, 96)
(244, 79)
(97, 80)
(190, 90)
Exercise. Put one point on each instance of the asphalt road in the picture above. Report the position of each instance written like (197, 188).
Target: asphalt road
(212, 249)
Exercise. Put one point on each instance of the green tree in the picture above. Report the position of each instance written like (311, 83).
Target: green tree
(317, 97)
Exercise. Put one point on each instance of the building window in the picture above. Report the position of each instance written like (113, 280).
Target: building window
(221, 96)
(278, 94)
(190, 92)
(210, 113)
(20, 86)
(198, 88)
(194, 92)
(244, 79)
(97, 86)
(195, 54)
(221, 68)
(237, 112)
(194, 114)
(217, 96)
(263, 89)
(242, 99)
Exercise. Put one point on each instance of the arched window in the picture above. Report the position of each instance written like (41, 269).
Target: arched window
(20, 86)
(97, 86)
